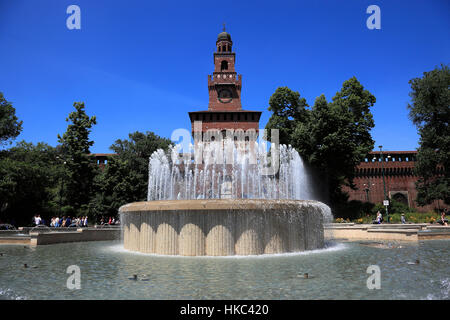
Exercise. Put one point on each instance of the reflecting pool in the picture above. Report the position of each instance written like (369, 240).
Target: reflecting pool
(336, 272)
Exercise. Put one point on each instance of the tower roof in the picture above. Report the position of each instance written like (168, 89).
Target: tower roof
(224, 36)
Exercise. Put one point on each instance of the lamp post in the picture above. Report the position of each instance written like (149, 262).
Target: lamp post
(61, 185)
(384, 182)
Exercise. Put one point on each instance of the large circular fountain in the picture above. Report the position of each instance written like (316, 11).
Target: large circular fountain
(223, 227)
(225, 204)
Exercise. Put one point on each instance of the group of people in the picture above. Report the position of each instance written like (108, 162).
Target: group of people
(109, 220)
(57, 222)
(69, 222)
(443, 221)
(379, 219)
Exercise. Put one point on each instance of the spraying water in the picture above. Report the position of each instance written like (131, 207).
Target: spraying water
(228, 170)
(258, 202)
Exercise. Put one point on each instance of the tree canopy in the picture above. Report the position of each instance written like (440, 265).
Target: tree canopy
(125, 178)
(429, 110)
(10, 126)
(333, 137)
(65, 180)
(28, 181)
(80, 167)
(288, 109)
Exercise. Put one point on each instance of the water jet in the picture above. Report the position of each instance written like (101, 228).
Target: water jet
(189, 214)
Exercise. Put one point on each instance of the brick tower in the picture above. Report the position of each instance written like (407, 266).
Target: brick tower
(224, 109)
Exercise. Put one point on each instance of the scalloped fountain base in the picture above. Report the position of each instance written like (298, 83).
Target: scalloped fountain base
(222, 227)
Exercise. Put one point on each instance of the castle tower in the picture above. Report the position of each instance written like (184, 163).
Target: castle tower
(224, 87)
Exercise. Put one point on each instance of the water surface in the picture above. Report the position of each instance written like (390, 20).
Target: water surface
(338, 272)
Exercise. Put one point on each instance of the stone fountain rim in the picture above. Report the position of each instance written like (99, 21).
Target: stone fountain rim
(217, 204)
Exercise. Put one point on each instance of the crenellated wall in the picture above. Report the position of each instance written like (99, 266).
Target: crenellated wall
(399, 179)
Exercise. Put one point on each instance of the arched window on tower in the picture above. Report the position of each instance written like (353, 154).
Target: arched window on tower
(224, 65)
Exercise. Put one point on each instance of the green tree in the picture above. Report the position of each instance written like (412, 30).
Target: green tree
(10, 126)
(333, 137)
(430, 112)
(28, 175)
(399, 207)
(125, 177)
(351, 140)
(80, 166)
(287, 109)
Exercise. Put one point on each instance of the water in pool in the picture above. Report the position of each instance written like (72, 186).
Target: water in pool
(336, 272)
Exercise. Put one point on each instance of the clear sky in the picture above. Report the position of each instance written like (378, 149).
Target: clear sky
(143, 65)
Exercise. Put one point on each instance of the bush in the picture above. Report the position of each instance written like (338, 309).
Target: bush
(354, 209)
(365, 212)
(410, 217)
(399, 207)
(378, 207)
(68, 211)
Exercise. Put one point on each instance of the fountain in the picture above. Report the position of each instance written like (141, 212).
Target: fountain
(225, 195)
(227, 203)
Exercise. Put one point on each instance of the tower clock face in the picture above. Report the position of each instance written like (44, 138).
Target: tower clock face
(225, 95)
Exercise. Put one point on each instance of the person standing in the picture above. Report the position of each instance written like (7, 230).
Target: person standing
(403, 218)
(68, 221)
(444, 221)
(379, 217)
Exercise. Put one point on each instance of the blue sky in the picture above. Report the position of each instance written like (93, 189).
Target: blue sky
(143, 65)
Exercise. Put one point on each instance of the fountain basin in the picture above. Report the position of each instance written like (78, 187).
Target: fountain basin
(222, 227)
